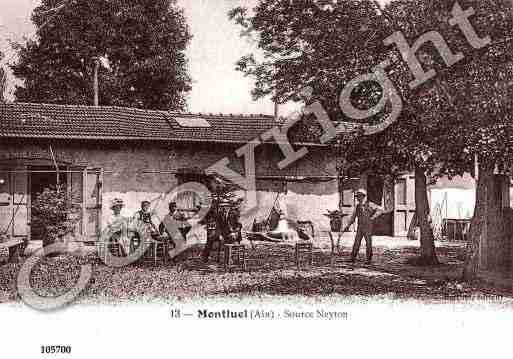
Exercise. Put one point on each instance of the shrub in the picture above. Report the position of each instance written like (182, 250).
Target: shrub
(53, 211)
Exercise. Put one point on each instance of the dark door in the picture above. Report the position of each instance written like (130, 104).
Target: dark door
(41, 178)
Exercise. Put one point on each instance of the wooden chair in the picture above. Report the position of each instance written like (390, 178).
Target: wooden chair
(336, 225)
(305, 244)
(234, 254)
(157, 251)
(14, 246)
(114, 247)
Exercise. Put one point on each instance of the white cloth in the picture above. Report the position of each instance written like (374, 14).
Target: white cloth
(118, 223)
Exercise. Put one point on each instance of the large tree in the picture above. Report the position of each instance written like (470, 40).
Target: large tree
(3, 82)
(324, 45)
(472, 99)
(143, 42)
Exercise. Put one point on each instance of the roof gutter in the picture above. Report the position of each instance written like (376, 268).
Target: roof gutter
(160, 139)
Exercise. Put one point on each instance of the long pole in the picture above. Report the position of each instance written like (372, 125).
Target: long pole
(55, 164)
(95, 80)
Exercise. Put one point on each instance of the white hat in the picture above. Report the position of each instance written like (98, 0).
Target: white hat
(361, 191)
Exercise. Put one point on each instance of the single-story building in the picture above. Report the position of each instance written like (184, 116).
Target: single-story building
(107, 152)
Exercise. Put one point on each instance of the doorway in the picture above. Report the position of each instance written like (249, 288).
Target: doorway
(41, 178)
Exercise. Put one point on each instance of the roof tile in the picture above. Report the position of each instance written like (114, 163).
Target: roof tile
(31, 120)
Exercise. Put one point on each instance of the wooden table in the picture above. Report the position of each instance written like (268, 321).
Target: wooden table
(14, 247)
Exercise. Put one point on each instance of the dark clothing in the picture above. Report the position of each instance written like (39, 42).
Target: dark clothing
(144, 220)
(224, 228)
(358, 242)
(366, 213)
(213, 235)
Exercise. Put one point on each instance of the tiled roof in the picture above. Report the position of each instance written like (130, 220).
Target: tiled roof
(30, 120)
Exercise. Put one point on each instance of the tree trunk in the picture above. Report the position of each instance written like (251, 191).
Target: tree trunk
(427, 239)
(388, 194)
(486, 219)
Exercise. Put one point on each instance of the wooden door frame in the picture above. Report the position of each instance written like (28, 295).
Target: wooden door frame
(407, 209)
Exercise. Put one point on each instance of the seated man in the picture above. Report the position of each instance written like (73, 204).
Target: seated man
(143, 224)
(223, 226)
(213, 228)
(174, 227)
(234, 227)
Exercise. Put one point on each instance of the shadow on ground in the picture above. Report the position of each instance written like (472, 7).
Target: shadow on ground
(271, 272)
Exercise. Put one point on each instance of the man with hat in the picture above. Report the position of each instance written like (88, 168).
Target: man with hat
(143, 225)
(366, 212)
(174, 228)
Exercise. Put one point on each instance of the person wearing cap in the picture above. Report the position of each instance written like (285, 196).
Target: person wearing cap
(366, 212)
(144, 223)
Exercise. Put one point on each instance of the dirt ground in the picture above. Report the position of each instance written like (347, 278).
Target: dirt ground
(271, 272)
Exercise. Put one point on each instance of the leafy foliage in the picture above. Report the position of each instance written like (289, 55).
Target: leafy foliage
(223, 195)
(3, 82)
(444, 122)
(464, 110)
(144, 42)
(53, 211)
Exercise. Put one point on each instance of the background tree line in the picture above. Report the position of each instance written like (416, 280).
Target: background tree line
(142, 44)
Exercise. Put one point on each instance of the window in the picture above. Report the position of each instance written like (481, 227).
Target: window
(5, 192)
(401, 192)
(348, 197)
(349, 187)
(188, 201)
(192, 122)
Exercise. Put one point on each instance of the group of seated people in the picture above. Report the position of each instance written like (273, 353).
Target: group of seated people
(129, 232)
(221, 224)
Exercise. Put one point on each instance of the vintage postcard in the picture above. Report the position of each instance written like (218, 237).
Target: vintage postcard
(255, 178)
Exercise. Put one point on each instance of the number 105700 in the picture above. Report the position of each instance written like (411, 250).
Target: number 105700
(55, 349)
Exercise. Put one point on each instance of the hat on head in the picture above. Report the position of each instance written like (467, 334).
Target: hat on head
(116, 202)
(145, 203)
(361, 191)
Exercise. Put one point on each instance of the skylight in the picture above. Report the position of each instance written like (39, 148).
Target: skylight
(34, 117)
(192, 121)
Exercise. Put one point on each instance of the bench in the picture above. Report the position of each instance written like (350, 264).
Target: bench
(15, 249)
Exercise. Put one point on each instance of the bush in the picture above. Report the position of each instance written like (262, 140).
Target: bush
(335, 220)
(53, 211)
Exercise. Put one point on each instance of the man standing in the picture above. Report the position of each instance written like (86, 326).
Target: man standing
(366, 212)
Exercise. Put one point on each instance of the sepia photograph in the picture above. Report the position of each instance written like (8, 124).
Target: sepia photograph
(264, 177)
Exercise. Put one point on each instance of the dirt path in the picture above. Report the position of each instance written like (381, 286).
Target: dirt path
(271, 272)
